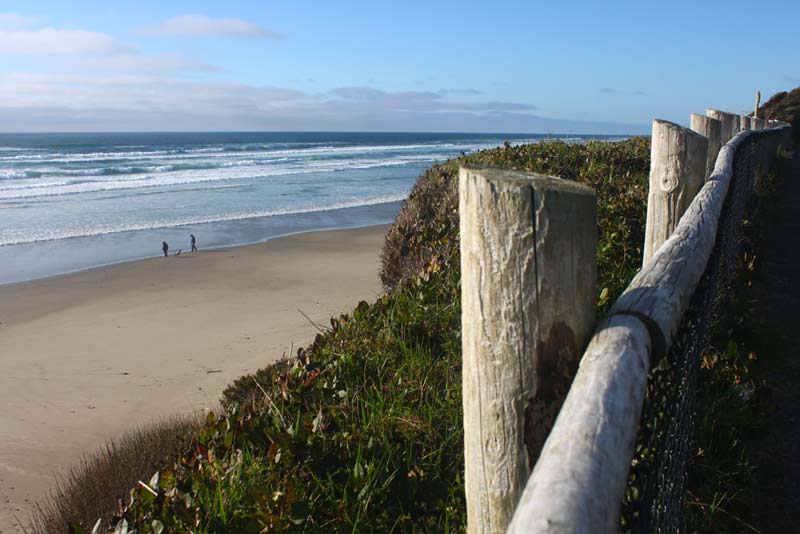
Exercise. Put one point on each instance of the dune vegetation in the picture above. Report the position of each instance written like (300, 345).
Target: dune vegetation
(784, 106)
(361, 431)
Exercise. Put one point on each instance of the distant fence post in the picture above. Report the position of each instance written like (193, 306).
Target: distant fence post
(727, 120)
(712, 130)
(758, 102)
(678, 159)
(745, 123)
(737, 126)
(528, 276)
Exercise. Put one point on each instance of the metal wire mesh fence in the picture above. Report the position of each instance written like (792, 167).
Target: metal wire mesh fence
(656, 487)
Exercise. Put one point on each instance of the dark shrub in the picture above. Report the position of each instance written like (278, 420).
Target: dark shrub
(90, 490)
(784, 106)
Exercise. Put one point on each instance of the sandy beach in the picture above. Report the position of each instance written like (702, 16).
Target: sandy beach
(86, 356)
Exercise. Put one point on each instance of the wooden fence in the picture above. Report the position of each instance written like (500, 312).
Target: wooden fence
(552, 401)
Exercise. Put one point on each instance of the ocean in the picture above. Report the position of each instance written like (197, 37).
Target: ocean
(76, 201)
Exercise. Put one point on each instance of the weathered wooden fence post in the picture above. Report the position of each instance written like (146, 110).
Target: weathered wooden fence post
(528, 275)
(677, 172)
(712, 130)
(727, 120)
(737, 127)
(758, 102)
(744, 123)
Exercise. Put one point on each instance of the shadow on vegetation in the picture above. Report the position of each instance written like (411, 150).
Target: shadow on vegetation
(91, 489)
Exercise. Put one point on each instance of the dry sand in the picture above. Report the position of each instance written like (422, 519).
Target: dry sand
(86, 356)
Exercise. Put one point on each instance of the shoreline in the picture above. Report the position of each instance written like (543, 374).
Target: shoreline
(217, 248)
(90, 354)
(39, 260)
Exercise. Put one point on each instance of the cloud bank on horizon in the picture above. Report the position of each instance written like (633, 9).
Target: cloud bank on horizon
(104, 83)
(134, 71)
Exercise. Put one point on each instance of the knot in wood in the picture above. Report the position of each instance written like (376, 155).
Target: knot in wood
(668, 179)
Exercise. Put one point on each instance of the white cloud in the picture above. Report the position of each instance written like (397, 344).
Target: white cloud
(463, 92)
(612, 91)
(92, 51)
(16, 21)
(202, 25)
(55, 41)
(170, 63)
(146, 101)
(376, 100)
(141, 93)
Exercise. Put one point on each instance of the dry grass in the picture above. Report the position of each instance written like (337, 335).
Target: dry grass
(92, 488)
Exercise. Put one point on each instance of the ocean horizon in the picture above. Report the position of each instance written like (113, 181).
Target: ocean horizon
(74, 201)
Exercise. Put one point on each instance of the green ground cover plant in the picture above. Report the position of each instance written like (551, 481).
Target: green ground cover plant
(361, 431)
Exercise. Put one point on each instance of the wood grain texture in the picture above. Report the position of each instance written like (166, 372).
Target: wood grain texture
(744, 123)
(579, 481)
(711, 129)
(662, 290)
(678, 158)
(736, 125)
(727, 120)
(758, 103)
(528, 256)
(578, 484)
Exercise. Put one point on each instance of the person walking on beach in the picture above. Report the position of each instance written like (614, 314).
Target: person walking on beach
(165, 248)
(194, 243)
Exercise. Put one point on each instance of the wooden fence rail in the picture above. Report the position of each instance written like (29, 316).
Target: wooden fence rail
(528, 256)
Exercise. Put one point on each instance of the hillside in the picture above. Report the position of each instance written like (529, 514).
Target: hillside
(362, 430)
(784, 106)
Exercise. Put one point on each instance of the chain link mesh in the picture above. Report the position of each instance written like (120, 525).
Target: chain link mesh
(656, 488)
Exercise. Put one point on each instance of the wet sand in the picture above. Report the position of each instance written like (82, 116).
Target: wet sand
(86, 356)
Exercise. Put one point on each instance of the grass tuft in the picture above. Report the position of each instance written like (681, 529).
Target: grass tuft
(91, 490)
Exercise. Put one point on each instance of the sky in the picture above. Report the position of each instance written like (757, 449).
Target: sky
(494, 66)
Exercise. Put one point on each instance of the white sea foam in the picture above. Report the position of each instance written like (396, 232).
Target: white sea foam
(14, 237)
(80, 188)
(90, 183)
(219, 152)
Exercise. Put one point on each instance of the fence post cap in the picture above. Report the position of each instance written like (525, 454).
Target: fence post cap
(538, 181)
(677, 127)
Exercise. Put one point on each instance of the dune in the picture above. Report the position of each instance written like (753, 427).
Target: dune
(88, 355)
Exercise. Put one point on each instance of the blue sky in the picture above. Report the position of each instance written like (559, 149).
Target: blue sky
(508, 66)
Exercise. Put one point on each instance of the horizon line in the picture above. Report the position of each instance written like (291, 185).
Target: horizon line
(442, 132)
